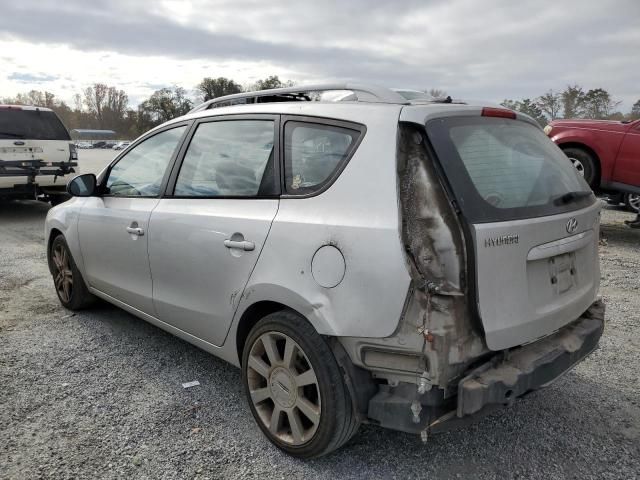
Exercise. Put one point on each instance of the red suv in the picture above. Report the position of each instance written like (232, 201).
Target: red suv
(606, 152)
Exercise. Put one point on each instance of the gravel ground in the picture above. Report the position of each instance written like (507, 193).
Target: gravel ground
(99, 394)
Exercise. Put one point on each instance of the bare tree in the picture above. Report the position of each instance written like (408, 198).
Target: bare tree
(436, 93)
(77, 102)
(115, 107)
(572, 101)
(599, 104)
(550, 103)
(94, 99)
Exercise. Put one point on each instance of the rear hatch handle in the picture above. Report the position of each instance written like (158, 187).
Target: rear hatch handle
(558, 247)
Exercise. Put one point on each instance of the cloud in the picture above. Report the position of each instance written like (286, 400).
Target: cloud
(490, 50)
(31, 78)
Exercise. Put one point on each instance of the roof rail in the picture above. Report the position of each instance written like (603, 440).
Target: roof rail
(362, 93)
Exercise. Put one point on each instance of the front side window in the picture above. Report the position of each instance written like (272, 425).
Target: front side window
(313, 153)
(140, 172)
(229, 158)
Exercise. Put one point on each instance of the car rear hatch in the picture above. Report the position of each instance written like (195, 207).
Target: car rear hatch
(30, 133)
(532, 223)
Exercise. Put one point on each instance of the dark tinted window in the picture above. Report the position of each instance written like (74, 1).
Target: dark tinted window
(313, 152)
(229, 158)
(139, 173)
(502, 169)
(31, 125)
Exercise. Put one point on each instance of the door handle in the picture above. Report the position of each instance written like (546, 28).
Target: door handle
(135, 231)
(241, 245)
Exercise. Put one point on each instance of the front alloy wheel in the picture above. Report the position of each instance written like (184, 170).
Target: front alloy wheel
(577, 165)
(584, 163)
(62, 273)
(67, 279)
(633, 202)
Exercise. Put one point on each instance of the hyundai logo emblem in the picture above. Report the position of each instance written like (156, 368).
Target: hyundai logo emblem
(572, 225)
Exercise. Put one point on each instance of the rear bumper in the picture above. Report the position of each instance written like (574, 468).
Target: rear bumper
(532, 366)
(493, 385)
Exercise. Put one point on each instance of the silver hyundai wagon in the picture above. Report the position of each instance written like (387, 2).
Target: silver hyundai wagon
(364, 257)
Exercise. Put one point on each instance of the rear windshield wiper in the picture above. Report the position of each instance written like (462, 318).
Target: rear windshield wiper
(572, 197)
(13, 135)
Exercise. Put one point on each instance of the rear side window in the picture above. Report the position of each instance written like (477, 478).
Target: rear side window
(31, 125)
(502, 169)
(229, 158)
(314, 153)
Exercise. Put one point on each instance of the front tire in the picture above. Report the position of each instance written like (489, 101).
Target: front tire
(67, 279)
(295, 388)
(585, 163)
(632, 201)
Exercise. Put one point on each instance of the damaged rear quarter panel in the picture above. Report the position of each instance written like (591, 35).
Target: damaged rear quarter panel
(436, 257)
(436, 320)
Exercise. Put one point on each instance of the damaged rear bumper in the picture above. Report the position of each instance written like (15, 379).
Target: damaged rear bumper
(532, 366)
(492, 385)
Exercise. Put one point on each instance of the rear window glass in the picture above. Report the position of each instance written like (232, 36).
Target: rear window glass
(31, 125)
(313, 153)
(502, 169)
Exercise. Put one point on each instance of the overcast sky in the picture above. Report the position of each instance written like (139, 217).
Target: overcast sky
(489, 49)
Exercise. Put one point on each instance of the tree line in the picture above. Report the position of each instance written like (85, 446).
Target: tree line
(101, 106)
(105, 107)
(573, 102)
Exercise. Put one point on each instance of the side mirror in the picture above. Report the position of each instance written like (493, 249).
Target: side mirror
(82, 185)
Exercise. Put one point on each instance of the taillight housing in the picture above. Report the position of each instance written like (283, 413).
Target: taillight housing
(498, 112)
(73, 152)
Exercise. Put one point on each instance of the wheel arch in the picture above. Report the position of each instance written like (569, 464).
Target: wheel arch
(53, 234)
(252, 315)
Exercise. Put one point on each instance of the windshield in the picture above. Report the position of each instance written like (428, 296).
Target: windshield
(502, 169)
(31, 125)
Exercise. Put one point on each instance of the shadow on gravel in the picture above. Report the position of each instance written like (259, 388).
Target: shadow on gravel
(23, 210)
(620, 234)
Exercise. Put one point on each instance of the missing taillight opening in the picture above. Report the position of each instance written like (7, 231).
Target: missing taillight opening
(498, 112)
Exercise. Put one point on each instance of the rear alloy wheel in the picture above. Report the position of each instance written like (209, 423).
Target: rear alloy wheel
(295, 387)
(632, 201)
(284, 389)
(584, 163)
(67, 279)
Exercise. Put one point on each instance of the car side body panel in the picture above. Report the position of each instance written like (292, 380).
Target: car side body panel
(65, 220)
(627, 169)
(604, 138)
(366, 234)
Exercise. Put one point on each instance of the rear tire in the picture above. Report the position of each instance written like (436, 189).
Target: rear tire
(67, 279)
(585, 163)
(295, 387)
